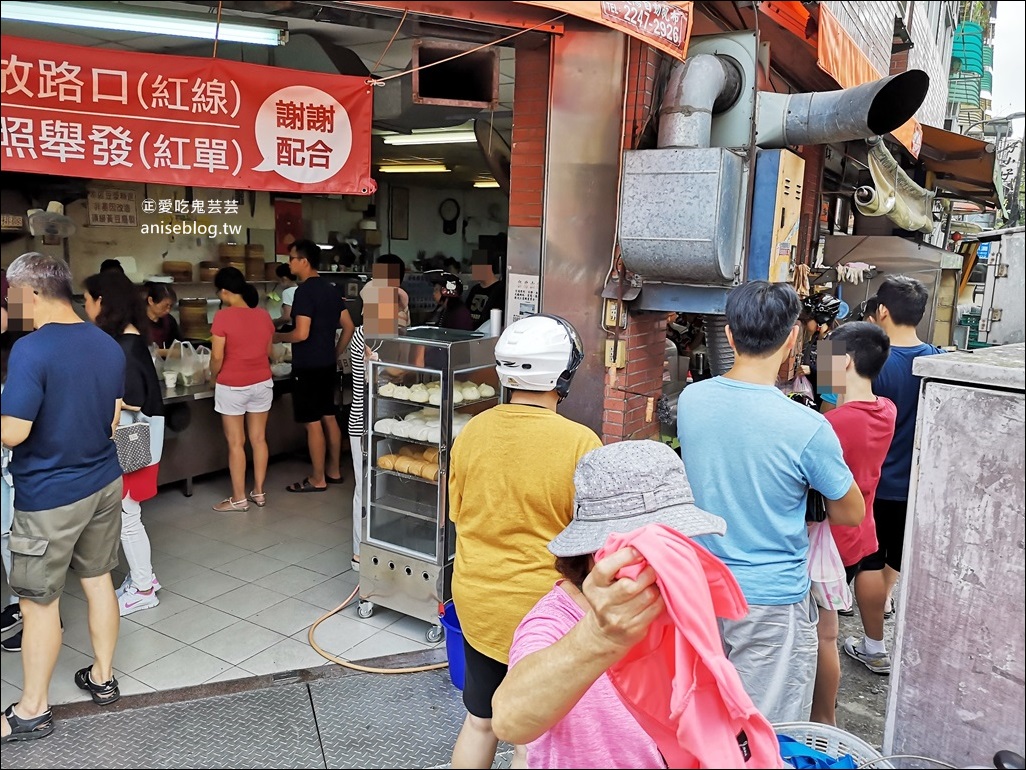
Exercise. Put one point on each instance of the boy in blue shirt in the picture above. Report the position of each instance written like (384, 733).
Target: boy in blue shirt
(751, 455)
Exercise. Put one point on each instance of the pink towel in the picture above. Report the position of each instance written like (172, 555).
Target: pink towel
(677, 682)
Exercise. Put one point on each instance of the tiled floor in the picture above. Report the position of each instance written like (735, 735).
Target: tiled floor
(240, 592)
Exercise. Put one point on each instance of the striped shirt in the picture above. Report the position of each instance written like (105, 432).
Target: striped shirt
(357, 346)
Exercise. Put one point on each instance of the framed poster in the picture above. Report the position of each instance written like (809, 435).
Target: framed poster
(399, 213)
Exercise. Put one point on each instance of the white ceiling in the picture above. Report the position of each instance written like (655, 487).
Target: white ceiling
(371, 45)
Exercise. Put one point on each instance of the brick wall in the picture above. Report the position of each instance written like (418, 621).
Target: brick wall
(530, 119)
(640, 384)
(812, 183)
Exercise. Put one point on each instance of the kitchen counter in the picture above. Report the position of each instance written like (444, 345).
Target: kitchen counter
(194, 442)
(205, 390)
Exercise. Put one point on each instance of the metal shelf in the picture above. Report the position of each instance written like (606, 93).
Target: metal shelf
(425, 405)
(407, 440)
(406, 476)
(395, 504)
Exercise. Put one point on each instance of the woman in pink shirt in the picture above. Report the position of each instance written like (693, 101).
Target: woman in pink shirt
(557, 697)
(240, 349)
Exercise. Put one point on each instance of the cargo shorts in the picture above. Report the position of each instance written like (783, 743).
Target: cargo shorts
(774, 649)
(83, 535)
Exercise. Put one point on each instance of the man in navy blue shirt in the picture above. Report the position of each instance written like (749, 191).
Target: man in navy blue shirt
(318, 311)
(60, 404)
(900, 306)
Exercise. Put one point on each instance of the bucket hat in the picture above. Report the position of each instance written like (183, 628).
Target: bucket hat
(625, 486)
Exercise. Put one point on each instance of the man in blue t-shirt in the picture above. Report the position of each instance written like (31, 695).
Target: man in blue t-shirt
(318, 311)
(60, 404)
(900, 306)
(751, 455)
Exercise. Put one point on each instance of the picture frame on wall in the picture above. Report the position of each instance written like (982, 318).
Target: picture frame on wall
(399, 213)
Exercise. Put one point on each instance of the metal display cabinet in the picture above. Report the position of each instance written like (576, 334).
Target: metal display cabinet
(424, 387)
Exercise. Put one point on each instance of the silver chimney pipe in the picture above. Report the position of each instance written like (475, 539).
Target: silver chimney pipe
(823, 117)
(704, 85)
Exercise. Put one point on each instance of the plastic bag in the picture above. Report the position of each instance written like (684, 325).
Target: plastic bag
(826, 570)
(182, 358)
(158, 361)
(202, 364)
(800, 390)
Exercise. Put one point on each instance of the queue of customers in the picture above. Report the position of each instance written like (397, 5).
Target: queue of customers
(681, 617)
(613, 566)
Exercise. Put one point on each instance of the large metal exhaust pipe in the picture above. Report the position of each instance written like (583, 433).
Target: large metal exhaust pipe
(704, 85)
(823, 117)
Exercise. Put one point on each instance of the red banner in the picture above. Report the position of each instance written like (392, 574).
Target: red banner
(139, 117)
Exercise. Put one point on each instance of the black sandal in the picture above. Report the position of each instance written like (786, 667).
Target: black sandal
(103, 694)
(27, 729)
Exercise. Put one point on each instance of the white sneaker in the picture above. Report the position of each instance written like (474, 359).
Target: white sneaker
(128, 581)
(133, 601)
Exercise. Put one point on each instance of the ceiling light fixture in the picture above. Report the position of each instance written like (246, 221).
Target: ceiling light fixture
(486, 183)
(414, 168)
(431, 137)
(143, 20)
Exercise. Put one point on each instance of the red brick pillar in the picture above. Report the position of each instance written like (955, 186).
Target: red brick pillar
(530, 119)
(812, 183)
(629, 402)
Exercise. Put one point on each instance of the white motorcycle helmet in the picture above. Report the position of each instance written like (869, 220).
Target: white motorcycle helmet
(540, 352)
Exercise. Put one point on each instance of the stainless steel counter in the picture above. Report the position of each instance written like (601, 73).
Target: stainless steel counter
(194, 442)
(182, 393)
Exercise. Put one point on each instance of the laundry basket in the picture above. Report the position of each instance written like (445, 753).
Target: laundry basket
(832, 741)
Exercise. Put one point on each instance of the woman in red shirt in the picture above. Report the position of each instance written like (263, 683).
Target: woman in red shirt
(240, 348)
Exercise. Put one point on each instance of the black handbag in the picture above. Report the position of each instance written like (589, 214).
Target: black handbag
(815, 506)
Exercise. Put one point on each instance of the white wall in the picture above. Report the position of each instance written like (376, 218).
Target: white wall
(91, 245)
(487, 210)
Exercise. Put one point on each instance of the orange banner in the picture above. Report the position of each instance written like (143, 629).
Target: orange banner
(666, 26)
(841, 58)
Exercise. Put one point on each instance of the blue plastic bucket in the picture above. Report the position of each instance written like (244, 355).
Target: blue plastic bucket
(453, 644)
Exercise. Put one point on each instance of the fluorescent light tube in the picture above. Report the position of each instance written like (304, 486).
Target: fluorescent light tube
(431, 137)
(486, 183)
(145, 21)
(414, 168)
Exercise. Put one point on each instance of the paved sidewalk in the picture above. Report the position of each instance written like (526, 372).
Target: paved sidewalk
(327, 717)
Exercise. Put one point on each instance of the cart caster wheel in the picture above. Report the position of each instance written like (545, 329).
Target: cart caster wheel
(365, 610)
(434, 634)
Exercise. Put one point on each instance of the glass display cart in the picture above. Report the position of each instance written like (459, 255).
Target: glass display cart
(424, 388)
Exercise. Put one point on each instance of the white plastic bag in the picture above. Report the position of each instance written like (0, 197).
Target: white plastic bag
(202, 364)
(182, 358)
(826, 570)
(158, 362)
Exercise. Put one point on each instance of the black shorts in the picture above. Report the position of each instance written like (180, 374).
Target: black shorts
(313, 393)
(872, 563)
(890, 534)
(482, 677)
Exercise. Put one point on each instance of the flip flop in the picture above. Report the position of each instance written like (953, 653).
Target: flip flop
(339, 480)
(304, 486)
